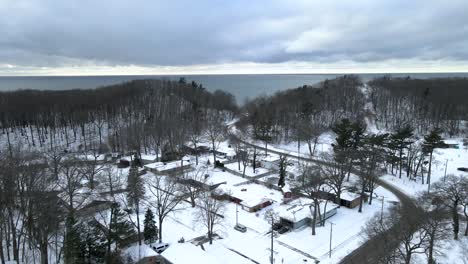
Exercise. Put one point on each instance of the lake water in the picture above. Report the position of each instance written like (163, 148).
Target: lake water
(241, 86)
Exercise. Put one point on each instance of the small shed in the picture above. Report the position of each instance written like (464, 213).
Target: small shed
(350, 200)
(270, 162)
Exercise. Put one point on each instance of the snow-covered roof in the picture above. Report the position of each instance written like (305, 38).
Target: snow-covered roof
(253, 194)
(162, 166)
(183, 253)
(299, 209)
(137, 253)
(271, 158)
(148, 157)
(348, 196)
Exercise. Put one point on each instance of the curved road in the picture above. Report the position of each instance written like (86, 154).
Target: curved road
(370, 251)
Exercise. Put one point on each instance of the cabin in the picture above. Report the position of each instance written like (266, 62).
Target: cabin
(351, 200)
(299, 212)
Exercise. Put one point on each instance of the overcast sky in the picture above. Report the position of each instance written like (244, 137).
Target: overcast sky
(67, 37)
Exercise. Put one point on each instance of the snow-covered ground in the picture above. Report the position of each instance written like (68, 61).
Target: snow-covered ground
(453, 158)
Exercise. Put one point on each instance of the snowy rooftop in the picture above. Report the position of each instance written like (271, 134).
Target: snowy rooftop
(271, 158)
(182, 253)
(137, 253)
(253, 194)
(163, 166)
(299, 209)
(349, 196)
(148, 157)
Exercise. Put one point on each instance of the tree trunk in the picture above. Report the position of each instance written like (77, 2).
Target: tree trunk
(456, 225)
(44, 253)
(430, 257)
(160, 230)
(138, 222)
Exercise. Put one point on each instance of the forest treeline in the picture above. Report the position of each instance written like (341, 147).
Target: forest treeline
(306, 112)
(137, 115)
(425, 104)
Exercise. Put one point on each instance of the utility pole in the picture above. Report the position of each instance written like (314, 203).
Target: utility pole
(237, 214)
(271, 257)
(381, 211)
(445, 174)
(331, 235)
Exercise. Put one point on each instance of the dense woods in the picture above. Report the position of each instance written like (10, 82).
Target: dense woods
(141, 115)
(425, 104)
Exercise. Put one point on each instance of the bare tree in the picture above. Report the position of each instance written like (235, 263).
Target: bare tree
(313, 188)
(192, 183)
(216, 130)
(69, 182)
(435, 224)
(452, 192)
(210, 212)
(272, 218)
(166, 197)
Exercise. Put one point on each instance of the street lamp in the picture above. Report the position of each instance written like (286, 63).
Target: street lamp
(331, 234)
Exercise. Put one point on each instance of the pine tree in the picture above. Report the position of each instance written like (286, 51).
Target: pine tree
(150, 231)
(432, 141)
(120, 228)
(282, 171)
(73, 243)
(93, 247)
(136, 192)
(401, 139)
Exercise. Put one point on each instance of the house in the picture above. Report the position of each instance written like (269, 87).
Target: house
(350, 200)
(270, 162)
(147, 159)
(251, 197)
(299, 212)
(169, 168)
(184, 253)
(143, 254)
(94, 207)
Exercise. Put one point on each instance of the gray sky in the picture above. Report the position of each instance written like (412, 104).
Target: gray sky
(58, 37)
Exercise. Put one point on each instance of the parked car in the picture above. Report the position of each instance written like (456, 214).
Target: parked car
(277, 226)
(160, 247)
(283, 229)
(240, 228)
(463, 169)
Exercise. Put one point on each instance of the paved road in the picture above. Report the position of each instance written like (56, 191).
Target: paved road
(370, 251)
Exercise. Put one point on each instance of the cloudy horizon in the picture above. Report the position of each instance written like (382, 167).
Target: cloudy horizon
(106, 37)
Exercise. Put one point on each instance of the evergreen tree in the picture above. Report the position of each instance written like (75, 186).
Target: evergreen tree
(73, 245)
(136, 192)
(120, 229)
(282, 170)
(401, 139)
(150, 230)
(431, 141)
(348, 138)
(93, 246)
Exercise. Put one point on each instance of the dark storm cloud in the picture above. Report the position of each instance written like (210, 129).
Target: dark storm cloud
(173, 33)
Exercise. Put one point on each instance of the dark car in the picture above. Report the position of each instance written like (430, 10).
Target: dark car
(283, 230)
(277, 226)
(463, 169)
